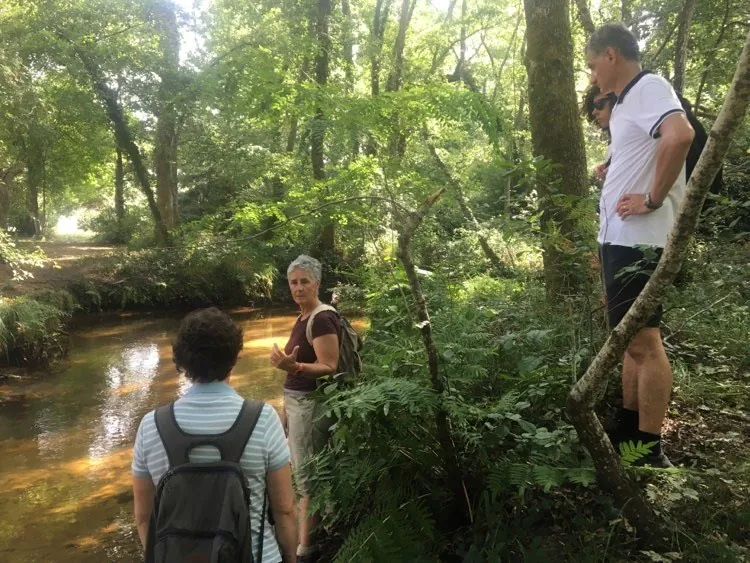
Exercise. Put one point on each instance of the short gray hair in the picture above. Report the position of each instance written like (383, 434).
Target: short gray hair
(308, 264)
(617, 36)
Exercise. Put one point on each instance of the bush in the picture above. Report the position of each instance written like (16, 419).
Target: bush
(32, 332)
(178, 278)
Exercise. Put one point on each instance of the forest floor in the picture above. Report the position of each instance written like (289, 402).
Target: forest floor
(65, 261)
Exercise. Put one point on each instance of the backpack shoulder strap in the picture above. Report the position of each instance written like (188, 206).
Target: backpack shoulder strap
(231, 444)
(319, 309)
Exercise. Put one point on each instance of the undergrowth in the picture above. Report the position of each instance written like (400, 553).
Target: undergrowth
(509, 359)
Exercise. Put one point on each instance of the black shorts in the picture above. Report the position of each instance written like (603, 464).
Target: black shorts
(625, 272)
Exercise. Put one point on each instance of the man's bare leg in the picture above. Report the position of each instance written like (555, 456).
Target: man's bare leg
(654, 376)
(629, 383)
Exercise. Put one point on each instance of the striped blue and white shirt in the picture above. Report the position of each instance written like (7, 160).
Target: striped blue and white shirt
(211, 408)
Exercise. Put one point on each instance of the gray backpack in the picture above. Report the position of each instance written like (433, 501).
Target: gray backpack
(202, 510)
(350, 343)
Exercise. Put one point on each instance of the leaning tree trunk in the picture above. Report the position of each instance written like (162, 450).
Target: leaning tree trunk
(557, 136)
(119, 190)
(124, 138)
(583, 396)
(681, 44)
(407, 226)
(165, 150)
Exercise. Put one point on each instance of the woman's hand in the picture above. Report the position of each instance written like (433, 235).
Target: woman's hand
(282, 360)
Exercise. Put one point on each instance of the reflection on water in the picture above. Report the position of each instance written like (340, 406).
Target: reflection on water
(67, 444)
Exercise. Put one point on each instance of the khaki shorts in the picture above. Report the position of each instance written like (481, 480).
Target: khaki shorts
(307, 436)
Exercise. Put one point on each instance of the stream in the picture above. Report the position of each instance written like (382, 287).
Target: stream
(66, 437)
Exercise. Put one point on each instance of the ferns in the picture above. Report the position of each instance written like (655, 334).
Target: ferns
(400, 529)
(524, 475)
(630, 452)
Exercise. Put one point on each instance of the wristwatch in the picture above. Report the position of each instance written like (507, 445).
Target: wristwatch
(650, 204)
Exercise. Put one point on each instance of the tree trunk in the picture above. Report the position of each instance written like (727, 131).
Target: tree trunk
(397, 73)
(584, 16)
(348, 47)
(34, 178)
(119, 189)
(165, 150)
(552, 100)
(7, 180)
(318, 125)
(681, 44)
(407, 226)
(711, 56)
(583, 396)
(395, 78)
(380, 18)
(124, 137)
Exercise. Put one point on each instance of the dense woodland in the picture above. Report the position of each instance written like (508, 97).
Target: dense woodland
(432, 154)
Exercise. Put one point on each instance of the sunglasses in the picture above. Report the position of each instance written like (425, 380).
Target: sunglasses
(601, 103)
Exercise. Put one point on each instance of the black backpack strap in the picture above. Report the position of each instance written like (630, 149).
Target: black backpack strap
(231, 444)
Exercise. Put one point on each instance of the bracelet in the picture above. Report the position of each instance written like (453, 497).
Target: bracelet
(650, 204)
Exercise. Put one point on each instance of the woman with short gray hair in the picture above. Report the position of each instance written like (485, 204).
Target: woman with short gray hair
(311, 352)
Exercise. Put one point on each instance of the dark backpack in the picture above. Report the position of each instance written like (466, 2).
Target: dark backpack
(350, 343)
(202, 510)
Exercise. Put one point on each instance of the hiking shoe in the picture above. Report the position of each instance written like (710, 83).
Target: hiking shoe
(659, 461)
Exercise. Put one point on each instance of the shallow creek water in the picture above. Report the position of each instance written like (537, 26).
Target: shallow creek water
(66, 438)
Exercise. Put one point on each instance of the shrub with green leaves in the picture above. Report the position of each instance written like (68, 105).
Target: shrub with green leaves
(33, 331)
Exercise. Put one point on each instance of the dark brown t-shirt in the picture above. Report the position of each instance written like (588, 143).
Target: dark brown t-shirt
(325, 322)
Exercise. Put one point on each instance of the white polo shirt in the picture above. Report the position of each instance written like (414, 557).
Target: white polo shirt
(641, 108)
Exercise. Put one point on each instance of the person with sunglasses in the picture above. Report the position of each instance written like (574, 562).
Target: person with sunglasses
(642, 191)
(597, 109)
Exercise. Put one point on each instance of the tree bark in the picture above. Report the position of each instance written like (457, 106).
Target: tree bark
(711, 55)
(584, 16)
(552, 100)
(119, 189)
(380, 18)
(681, 44)
(397, 72)
(318, 126)
(348, 47)
(407, 226)
(165, 150)
(34, 179)
(7, 180)
(583, 396)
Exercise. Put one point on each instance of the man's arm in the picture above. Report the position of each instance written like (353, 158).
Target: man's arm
(143, 495)
(676, 135)
(281, 497)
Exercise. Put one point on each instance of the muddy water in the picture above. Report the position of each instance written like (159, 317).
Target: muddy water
(66, 439)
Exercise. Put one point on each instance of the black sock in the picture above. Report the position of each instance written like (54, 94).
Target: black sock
(646, 438)
(627, 424)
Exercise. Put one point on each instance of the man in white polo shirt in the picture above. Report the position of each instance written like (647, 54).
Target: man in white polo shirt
(642, 192)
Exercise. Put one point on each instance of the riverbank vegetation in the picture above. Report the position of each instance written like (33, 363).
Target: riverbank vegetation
(211, 143)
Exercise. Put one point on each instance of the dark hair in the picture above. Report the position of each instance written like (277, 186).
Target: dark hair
(617, 36)
(207, 345)
(587, 107)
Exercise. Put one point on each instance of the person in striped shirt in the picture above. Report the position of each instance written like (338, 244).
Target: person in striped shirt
(205, 350)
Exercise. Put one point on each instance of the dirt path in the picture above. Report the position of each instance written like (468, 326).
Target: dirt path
(65, 262)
